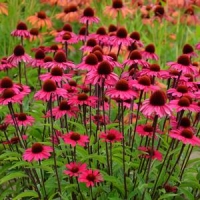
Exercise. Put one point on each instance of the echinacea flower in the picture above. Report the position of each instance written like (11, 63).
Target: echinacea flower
(121, 38)
(101, 36)
(184, 122)
(40, 20)
(91, 42)
(156, 105)
(21, 31)
(50, 91)
(143, 83)
(153, 71)
(146, 130)
(38, 61)
(88, 16)
(56, 74)
(74, 138)
(180, 91)
(189, 50)
(83, 99)
(149, 52)
(182, 104)
(136, 58)
(63, 109)
(103, 74)
(183, 65)
(135, 36)
(37, 152)
(15, 140)
(34, 34)
(186, 136)
(116, 8)
(149, 153)
(122, 90)
(59, 60)
(18, 56)
(81, 36)
(22, 119)
(5, 65)
(168, 188)
(10, 96)
(90, 62)
(111, 135)
(90, 177)
(75, 169)
(69, 14)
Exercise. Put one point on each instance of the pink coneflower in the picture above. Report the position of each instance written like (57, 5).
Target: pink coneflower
(103, 73)
(67, 38)
(91, 42)
(99, 119)
(146, 130)
(71, 87)
(112, 59)
(21, 118)
(5, 65)
(3, 126)
(121, 38)
(40, 20)
(160, 14)
(101, 36)
(37, 152)
(38, 61)
(180, 91)
(112, 136)
(24, 89)
(90, 177)
(75, 169)
(156, 104)
(83, 99)
(153, 71)
(59, 60)
(186, 136)
(143, 83)
(184, 123)
(16, 140)
(52, 49)
(49, 90)
(189, 50)
(136, 58)
(116, 8)
(88, 16)
(21, 31)
(74, 138)
(18, 56)
(81, 36)
(63, 109)
(188, 81)
(6, 83)
(90, 62)
(10, 96)
(135, 36)
(149, 52)
(184, 103)
(122, 90)
(183, 65)
(149, 153)
(56, 74)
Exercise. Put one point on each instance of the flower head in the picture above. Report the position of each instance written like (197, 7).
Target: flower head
(21, 31)
(90, 177)
(74, 138)
(88, 16)
(75, 169)
(111, 136)
(156, 104)
(37, 152)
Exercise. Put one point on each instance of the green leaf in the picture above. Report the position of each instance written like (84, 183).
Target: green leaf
(28, 193)
(165, 196)
(12, 176)
(187, 193)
